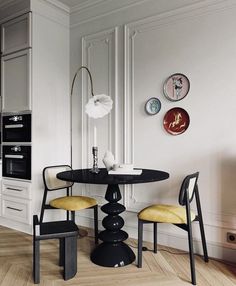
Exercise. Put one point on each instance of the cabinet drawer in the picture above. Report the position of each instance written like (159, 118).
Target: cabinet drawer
(16, 34)
(16, 188)
(16, 209)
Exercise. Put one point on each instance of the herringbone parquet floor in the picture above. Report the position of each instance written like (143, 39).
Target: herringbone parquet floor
(163, 268)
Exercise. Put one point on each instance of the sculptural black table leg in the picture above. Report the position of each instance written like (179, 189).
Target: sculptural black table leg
(113, 252)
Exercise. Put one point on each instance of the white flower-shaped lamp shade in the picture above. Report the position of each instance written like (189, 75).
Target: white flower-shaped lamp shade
(98, 106)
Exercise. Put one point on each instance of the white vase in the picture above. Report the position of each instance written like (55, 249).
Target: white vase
(108, 160)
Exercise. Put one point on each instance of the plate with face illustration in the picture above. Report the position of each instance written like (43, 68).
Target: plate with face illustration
(176, 121)
(153, 106)
(176, 87)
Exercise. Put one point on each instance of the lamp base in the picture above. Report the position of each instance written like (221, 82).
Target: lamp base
(95, 169)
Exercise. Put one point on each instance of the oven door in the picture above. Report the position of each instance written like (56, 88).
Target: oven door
(16, 128)
(16, 162)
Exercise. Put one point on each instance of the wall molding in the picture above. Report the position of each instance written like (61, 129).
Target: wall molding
(52, 10)
(188, 13)
(83, 6)
(131, 32)
(105, 9)
(216, 224)
(109, 38)
(220, 220)
(59, 5)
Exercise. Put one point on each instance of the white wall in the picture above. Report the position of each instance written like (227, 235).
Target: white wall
(131, 50)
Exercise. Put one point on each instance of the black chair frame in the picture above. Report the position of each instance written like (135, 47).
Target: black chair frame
(66, 232)
(46, 206)
(184, 200)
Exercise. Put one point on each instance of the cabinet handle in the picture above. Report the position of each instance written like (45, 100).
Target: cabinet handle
(13, 189)
(14, 209)
(14, 156)
(7, 126)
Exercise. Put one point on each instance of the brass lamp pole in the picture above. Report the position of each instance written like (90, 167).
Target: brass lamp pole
(90, 77)
(71, 93)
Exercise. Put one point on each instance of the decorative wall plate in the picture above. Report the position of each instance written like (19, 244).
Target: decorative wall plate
(176, 121)
(153, 106)
(176, 87)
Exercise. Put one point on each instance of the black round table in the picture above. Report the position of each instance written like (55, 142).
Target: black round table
(112, 252)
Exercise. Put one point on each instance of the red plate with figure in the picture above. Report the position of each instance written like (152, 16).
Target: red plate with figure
(176, 121)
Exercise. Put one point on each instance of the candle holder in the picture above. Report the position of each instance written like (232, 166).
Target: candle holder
(95, 161)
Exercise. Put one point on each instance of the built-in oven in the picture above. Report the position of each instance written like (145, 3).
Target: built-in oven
(16, 128)
(16, 161)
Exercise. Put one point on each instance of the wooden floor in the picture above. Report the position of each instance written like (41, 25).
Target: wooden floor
(163, 268)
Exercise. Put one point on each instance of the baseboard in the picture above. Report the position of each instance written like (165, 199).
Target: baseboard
(16, 225)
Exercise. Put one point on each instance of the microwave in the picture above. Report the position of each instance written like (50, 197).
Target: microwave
(16, 128)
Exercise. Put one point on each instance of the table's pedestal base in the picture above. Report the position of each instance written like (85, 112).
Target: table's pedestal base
(112, 255)
(113, 252)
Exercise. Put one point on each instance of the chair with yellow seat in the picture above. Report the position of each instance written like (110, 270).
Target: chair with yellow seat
(181, 216)
(69, 203)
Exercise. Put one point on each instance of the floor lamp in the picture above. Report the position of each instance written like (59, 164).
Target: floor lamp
(97, 107)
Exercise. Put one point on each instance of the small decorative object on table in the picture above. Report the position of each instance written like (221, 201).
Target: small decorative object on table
(108, 160)
(153, 106)
(176, 87)
(95, 152)
(95, 161)
(124, 169)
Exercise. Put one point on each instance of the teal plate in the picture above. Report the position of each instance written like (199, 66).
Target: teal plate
(153, 106)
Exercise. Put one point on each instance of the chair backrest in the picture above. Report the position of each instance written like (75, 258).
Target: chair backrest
(189, 185)
(51, 182)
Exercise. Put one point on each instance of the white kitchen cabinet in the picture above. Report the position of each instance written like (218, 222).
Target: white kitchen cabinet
(16, 188)
(16, 209)
(16, 34)
(35, 78)
(16, 200)
(16, 81)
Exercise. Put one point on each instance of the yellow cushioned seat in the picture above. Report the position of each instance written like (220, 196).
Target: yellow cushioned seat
(73, 203)
(165, 213)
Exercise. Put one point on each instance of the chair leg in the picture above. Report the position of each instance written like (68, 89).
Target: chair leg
(140, 242)
(73, 216)
(191, 255)
(67, 212)
(70, 255)
(96, 224)
(61, 251)
(67, 215)
(36, 261)
(155, 237)
(201, 225)
(204, 246)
